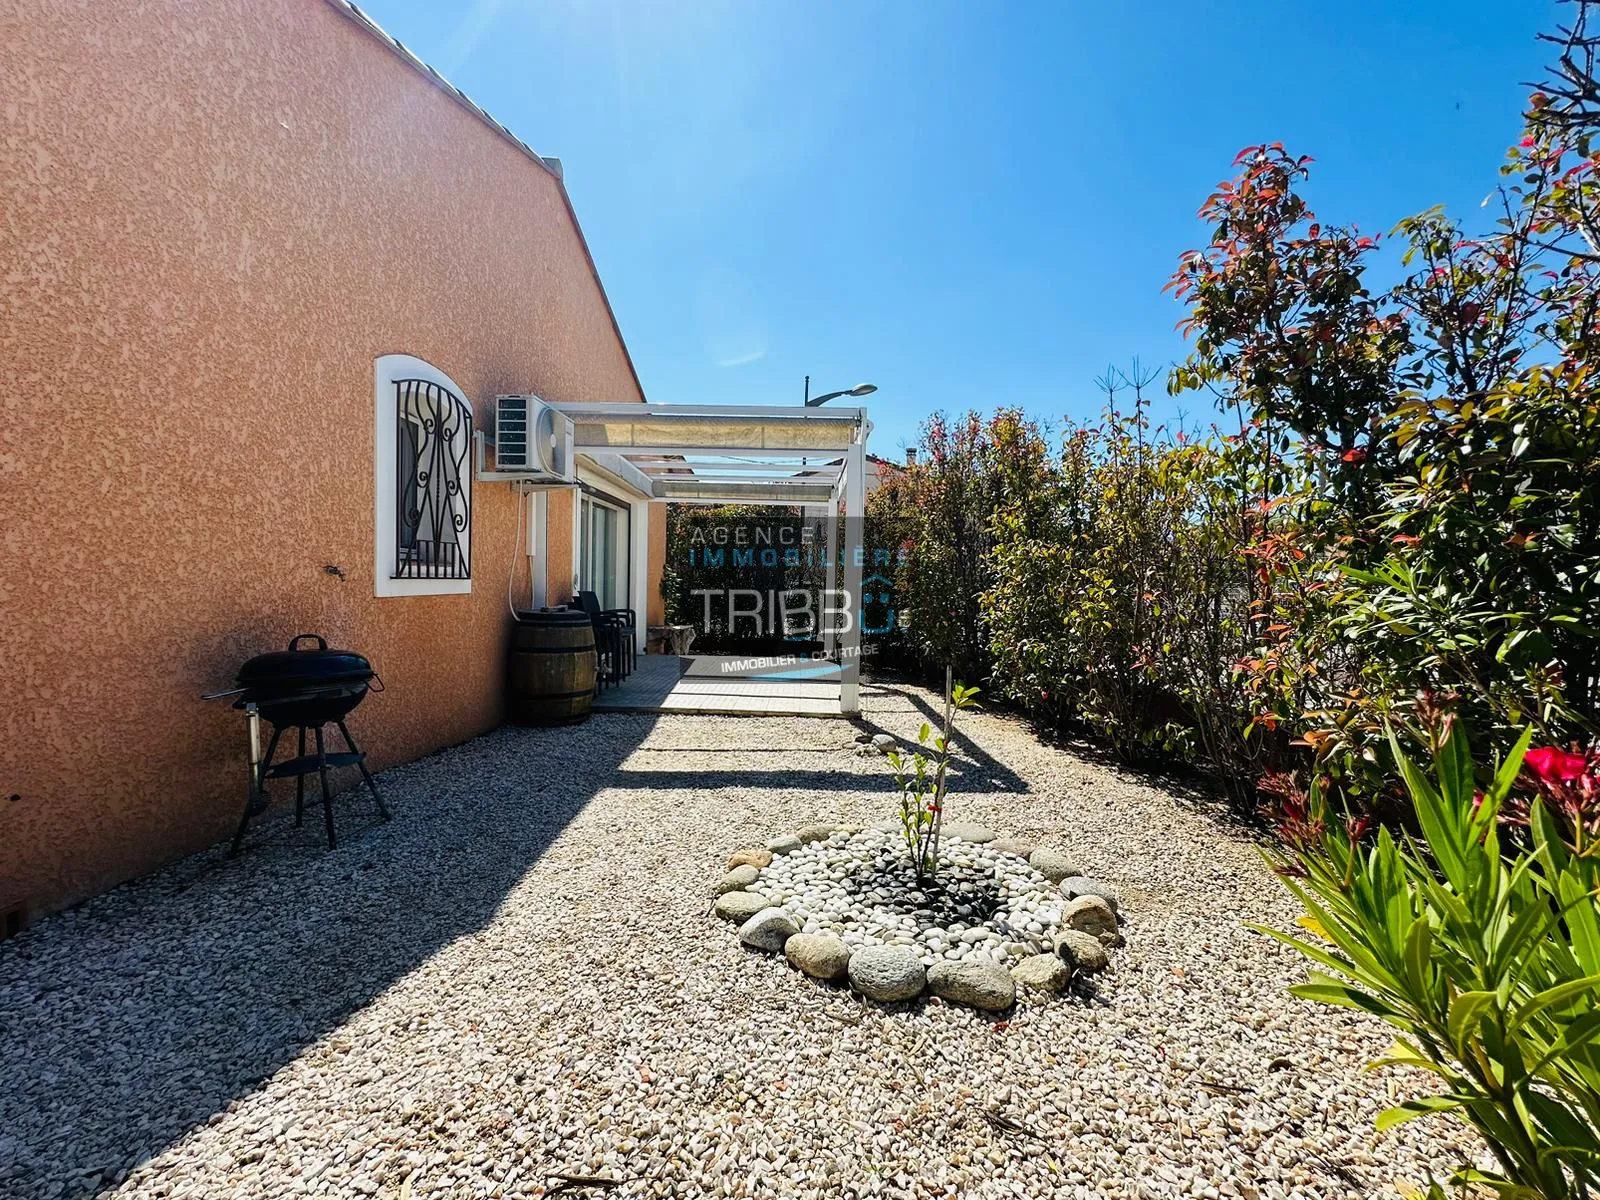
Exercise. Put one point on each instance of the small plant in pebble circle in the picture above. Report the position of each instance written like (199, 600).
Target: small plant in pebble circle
(921, 794)
(846, 904)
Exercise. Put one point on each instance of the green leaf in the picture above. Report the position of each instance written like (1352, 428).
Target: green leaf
(1577, 1035)
(1437, 827)
(1454, 764)
(1555, 997)
(1314, 952)
(1411, 1109)
(1506, 776)
(1402, 1053)
(1499, 788)
(1331, 991)
(1503, 1188)
(1419, 940)
(1466, 1010)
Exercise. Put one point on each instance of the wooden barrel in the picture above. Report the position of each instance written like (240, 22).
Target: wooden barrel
(553, 667)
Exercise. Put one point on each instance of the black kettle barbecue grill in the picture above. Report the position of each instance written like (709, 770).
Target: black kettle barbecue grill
(305, 689)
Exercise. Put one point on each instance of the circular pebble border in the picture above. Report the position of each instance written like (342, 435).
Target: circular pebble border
(845, 902)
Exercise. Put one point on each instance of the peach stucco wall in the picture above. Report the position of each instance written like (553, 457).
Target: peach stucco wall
(559, 575)
(216, 216)
(657, 605)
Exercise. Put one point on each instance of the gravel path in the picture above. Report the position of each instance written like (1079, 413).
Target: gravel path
(518, 977)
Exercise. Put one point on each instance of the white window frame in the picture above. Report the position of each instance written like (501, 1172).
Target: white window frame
(621, 553)
(388, 370)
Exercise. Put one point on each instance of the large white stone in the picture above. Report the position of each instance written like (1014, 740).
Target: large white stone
(739, 906)
(1078, 885)
(1053, 865)
(822, 956)
(1045, 972)
(966, 831)
(738, 879)
(1081, 952)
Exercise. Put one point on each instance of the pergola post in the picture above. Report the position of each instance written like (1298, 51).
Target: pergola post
(855, 464)
(830, 634)
(639, 571)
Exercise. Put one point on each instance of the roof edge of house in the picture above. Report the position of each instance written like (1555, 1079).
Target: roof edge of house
(551, 166)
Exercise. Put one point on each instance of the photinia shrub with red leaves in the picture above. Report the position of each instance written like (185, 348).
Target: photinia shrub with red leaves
(1407, 497)
(1283, 321)
(1433, 449)
(949, 502)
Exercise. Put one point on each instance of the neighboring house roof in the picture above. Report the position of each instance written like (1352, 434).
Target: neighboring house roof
(884, 462)
(550, 165)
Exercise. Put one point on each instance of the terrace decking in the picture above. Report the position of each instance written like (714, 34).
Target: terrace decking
(727, 685)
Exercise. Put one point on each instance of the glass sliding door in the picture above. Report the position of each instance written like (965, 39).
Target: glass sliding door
(603, 556)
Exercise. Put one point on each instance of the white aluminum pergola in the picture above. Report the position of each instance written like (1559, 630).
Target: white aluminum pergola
(813, 458)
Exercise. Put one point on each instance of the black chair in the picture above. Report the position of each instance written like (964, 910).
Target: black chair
(615, 637)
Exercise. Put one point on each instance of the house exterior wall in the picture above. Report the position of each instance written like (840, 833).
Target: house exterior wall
(216, 217)
(563, 573)
(656, 608)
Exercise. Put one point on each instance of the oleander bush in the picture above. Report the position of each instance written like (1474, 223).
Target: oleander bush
(1479, 941)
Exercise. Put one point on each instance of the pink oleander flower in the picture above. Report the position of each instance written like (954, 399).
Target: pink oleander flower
(1569, 785)
(1553, 765)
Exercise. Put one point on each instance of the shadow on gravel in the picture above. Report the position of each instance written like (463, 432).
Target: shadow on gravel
(1190, 786)
(818, 781)
(974, 765)
(137, 1016)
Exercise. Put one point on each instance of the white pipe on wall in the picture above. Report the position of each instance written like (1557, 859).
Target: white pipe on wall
(538, 550)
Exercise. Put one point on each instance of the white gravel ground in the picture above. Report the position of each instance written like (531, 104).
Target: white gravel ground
(518, 977)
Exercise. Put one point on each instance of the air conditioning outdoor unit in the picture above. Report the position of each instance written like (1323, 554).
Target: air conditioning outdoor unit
(533, 443)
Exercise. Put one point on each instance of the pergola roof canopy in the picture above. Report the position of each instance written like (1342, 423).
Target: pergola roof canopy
(735, 454)
(707, 453)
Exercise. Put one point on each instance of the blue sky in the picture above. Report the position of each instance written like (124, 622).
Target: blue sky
(968, 204)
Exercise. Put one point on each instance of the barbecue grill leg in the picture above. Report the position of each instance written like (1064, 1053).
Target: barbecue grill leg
(244, 821)
(257, 799)
(261, 780)
(383, 810)
(300, 784)
(327, 792)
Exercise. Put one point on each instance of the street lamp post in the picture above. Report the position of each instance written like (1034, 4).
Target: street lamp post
(860, 389)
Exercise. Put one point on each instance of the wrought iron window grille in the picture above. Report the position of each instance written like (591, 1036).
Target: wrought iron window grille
(433, 513)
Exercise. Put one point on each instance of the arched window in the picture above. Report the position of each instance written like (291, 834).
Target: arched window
(423, 500)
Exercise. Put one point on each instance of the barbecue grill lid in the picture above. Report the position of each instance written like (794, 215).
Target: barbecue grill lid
(306, 665)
